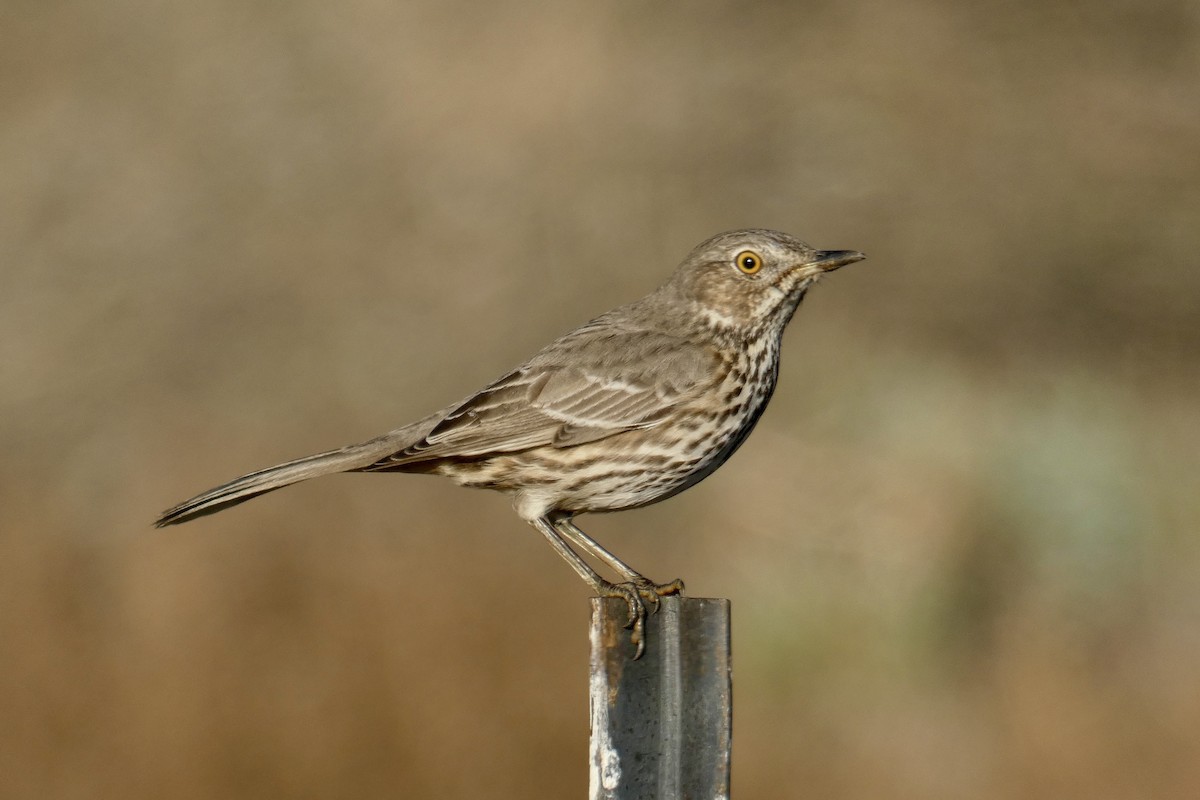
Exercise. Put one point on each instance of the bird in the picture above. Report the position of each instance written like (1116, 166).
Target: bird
(628, 409)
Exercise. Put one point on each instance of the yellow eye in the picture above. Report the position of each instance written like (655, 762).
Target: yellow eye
(748, 262)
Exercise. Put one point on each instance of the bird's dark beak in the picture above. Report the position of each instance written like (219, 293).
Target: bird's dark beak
(829, 260)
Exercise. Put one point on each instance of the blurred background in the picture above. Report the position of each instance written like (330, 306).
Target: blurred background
(961, 546)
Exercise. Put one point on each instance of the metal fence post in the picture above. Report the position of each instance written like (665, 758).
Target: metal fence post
(661, 725)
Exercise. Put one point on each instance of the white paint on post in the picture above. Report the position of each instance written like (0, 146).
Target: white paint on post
(605, 774)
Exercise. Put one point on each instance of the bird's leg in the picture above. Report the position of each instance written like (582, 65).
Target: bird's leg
(628, 592)
(648, 589)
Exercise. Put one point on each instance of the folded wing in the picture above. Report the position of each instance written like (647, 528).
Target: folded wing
(579, 389)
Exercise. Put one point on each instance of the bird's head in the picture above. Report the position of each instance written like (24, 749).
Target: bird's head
(744, 279)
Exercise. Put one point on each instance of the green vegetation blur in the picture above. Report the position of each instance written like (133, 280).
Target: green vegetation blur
(962, 546)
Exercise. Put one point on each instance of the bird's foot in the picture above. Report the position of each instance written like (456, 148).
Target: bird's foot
(631, 594)
(637, 594)
(650, 591)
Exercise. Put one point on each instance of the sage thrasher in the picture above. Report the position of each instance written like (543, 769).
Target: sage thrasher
(629, 409)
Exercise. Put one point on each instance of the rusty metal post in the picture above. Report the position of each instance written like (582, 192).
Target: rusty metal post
(661, 725)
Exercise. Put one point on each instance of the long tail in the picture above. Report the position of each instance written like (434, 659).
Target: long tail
(345, 459)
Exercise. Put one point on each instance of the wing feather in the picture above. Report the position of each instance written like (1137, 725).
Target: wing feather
(591, 384)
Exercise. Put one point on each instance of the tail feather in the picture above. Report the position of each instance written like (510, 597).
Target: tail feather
(345, 459)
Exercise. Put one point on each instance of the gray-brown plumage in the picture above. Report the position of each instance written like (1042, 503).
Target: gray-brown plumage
(631, 408)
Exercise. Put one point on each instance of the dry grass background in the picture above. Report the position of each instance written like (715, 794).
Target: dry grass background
(962, 546)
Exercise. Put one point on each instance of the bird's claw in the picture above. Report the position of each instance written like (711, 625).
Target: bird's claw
(650, 591)
(632, 595)
(639, 593)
